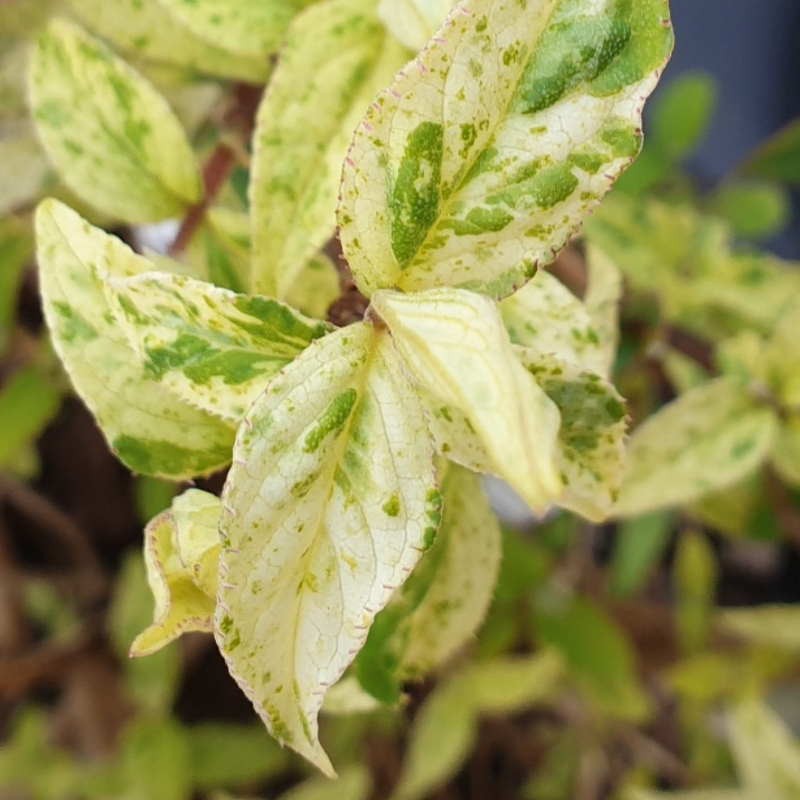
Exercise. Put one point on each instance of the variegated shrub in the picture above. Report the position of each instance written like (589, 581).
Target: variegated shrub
(353, 525)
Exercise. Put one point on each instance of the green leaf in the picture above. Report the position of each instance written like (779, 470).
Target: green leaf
(28, 402)
(155, 761)
(111, 136)
(753, 210)
(220, 251)
(251, 28)
(767, 757)
(413, 22)
(548, 320)
(211, 347)
(488, 413)
(330, 502)
(151, 430)
(695, 576)
(639, 545)
(153, 496)
(151, 682)
(352, 784)
(147, 30)
(778, 158)
(441, 606)
(232, 755)
(337, 57)
(599, 658)
(682, 114)
(16, 250)
(181, 550)
(708, 439)
(470, 171)
(591, 439)
(446, 727)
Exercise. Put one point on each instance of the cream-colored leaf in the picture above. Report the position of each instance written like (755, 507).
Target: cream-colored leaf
(413, 22)
(181, 551)
(251, 28)
(150, 429)
(145, 29)
(708, 439)
(488, 150)
(347, 697)
(213, 348)
(446, 727)
(602, 300)
(467, 554)
(767, 756)
(766, 626)
(458, 351)
(336, 59)
(785, 454)
(316, 288)
(111, 136)
(329, 505)
(591, 440)
(547, 319)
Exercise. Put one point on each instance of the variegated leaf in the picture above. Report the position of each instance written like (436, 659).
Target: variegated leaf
(708, 439)
(329, 505)
(149, 428)
(181, 551)
(489, 149)
(602, 301)
(111, 136)
(336, 59)
(413, 22)
(591, 440)
(147, 30)
(457, 349)
(213, 348)
(251, 28)
(546, 318)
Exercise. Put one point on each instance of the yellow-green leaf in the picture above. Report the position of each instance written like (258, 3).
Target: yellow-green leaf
(251, 28)
(213, 348)
(708, 439)
(147, 30)
(786, 450)
(336, 59)
(181, 553)
(488, 150)
(111, 136)
(25, 170)
(602, 300)
(456, 347)
(316, 287)
(330, 502)
(149, 428)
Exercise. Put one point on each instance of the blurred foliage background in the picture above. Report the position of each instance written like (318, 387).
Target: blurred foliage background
(656, 654)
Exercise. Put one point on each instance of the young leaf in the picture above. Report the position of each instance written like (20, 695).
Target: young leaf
(337, 57)
(445, 730)
(151, 430)
(470, 171)
(413, 22)
(591, 439)
(548, 320)
(181, 554)
(457, 349)
(709, 438)
(147, 30)
(213, 348)
(778, 158)
(111, 136)
(329, 504)
(251, 28)
(441, 606)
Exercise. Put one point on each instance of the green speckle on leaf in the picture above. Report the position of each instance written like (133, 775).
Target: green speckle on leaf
(392, 506)
(332, 420)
